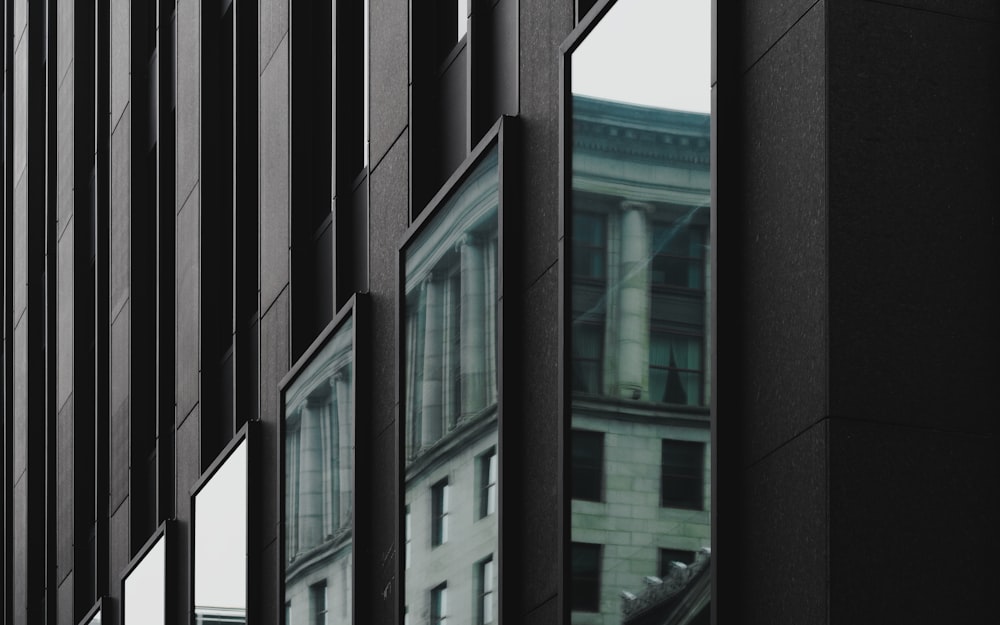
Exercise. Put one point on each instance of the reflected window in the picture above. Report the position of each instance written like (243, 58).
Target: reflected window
(450, 316)
(683, 474)
(439, 605)
(587, 478)
(317, 594)
(145, 587)
(487, 469)
(638, 274)
(319, 482)
(439, 512)
(586, 577)
(484, 591)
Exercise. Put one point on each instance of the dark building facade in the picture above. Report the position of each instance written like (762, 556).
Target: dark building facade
(358, 312)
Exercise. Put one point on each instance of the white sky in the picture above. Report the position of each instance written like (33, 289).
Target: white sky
(650, 52)
(145, 588)
(220, 535)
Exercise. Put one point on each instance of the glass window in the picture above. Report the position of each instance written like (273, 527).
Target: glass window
(587, 478)
(145, 587)
(220, 543)
(450, 320)
(439, 605)
(487, 483)
(683, 474)
(319, 481)
(638, 276)
(586, 577)
(317, 594)
(484, 592)
(439, 511)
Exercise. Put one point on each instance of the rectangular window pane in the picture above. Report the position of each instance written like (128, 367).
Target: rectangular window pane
(588, 465)
(450, 316)
(319, 484)
(683, 474)
(638, 277)
(586, 577)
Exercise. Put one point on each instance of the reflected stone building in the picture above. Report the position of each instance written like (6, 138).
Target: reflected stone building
(451, 463)
(319, 493)
(641, 479)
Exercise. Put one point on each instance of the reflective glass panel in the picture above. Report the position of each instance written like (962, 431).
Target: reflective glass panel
(220, 544)
(450, 433)
(639, 377)
(319, 486)
(145, 588)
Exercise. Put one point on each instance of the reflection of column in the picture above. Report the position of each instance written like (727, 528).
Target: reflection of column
(473, 348)
(292, 438)
(633, 335)
(342, 383)
(331, 476)
(310, 478)
(430, 417)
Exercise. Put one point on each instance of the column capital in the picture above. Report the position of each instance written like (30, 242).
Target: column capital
(633, 205)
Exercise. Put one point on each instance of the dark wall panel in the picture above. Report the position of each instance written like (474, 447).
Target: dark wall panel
(389, 75)
(913, 197)
(388, 220)
(274, 196)
(543, 26)
(783, 224)
(188, 317)
(764, 23)
(120, 63)
(188, 97)
(531, 505)
(784, 530)
(274, 356)
(187, 441)
(64, 489)
(120, 220)
(273, 28)
(910, 524)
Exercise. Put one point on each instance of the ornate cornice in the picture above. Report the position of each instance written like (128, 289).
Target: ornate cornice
(641, 133)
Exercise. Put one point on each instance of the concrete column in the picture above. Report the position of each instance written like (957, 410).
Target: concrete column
(310, 478)
(472, 359)
(327, 404)
(341, 385)
(430, 409)
(633, 316)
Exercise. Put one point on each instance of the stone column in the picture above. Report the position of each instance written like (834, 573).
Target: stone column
(331, 468)
(430, 409)
(633, 314)
(472, 359)
(341, 383)
(310, 478)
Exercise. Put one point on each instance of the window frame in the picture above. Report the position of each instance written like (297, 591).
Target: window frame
(487, 468)
(698, 476)
(358, 310)
(439, 512)
(588, 14)
(599, 548)
(504, 137)
(592, 434)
